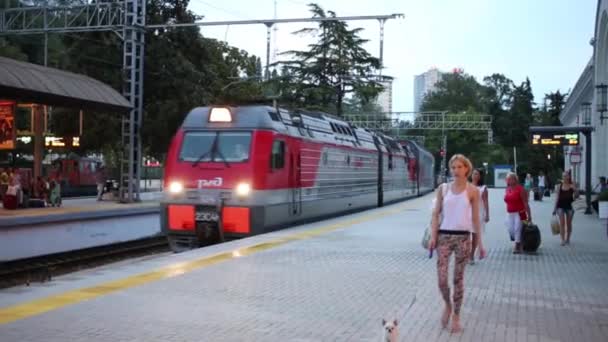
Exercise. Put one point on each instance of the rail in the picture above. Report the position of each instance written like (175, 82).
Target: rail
(44, 268)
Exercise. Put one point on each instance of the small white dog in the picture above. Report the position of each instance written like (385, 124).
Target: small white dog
(390, 331)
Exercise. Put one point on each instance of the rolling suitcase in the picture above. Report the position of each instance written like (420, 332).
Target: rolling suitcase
(530, 237)
(537, 195)
(36, 203)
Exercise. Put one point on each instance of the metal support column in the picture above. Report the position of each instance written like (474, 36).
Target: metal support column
(382, 21)
(267, 72)
(444, 147)
(588, 210)
(133, 66)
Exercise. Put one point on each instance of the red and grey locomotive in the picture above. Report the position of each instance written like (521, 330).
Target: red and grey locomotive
(236, 171)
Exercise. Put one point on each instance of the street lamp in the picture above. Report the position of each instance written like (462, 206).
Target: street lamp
(485, 175)
(601, 100)
(586, 113)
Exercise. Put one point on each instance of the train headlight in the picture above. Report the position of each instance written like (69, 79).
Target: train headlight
(176, 187)
(243, 189)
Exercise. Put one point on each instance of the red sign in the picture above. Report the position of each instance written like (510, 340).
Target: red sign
(575, 158)
(7, 126)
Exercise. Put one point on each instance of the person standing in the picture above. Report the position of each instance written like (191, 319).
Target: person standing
(100, 179)
(518, 209)
(477, 179)
(460, 211)
(4, 181)
(566, 194)
(541, 184)
(528, 182)
(603, 186)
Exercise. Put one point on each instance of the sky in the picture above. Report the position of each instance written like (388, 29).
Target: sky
(545, 40)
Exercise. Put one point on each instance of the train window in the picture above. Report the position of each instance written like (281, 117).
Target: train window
(216, 146)
(274, 116)
(277, 160)
(390, 161)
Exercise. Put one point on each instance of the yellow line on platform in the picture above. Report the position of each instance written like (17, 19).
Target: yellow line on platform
(39, 306)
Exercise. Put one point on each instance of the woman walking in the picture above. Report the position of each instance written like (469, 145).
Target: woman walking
(528, 183)
(477, 179)
(566, 194)
(518, 209)
(460, 210)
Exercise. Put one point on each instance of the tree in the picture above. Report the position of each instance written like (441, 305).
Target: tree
(537, 156)
(457, 94)
(498, 96)
(332, 68)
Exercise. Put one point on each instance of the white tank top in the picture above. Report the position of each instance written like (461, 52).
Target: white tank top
(481, 207)
(456, 211)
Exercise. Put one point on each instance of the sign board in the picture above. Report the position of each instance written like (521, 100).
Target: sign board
(555, 139)
(7, 126)
(500, 175)
(61, 142)
(575, 158)
(52, 142)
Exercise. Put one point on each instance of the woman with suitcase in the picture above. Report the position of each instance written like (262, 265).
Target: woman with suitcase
(518, 209)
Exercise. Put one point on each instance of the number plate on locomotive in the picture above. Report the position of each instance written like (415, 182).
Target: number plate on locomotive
(211, 216)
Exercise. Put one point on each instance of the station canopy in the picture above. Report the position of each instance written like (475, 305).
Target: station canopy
(27, 82)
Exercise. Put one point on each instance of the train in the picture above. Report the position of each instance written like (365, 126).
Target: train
(241, 170)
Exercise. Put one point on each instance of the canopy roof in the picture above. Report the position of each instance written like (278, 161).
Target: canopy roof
(26, 82)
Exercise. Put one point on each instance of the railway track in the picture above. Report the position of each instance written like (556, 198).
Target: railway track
(44, 268)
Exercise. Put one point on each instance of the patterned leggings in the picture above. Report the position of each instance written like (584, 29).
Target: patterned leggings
(461, 246)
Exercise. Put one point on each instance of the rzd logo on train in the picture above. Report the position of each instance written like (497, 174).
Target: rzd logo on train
(217, 181)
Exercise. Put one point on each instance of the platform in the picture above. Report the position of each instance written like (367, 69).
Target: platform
(73, 209)
(329, 281)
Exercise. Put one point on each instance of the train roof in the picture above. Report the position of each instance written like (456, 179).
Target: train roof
(315, 125)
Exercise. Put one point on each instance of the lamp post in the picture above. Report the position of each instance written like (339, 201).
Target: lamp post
(601, 100)
(586, 113)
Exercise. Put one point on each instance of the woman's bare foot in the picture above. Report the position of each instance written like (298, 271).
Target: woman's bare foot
(445, 319)
(456, 328)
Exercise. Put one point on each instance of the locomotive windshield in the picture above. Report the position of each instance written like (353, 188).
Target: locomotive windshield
(231, 147)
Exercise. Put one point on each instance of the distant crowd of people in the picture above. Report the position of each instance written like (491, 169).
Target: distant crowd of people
(17, 191)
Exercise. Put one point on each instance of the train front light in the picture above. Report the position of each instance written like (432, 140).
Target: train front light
(243, 189)
(176, 187)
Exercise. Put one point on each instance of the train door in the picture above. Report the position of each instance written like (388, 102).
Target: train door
(295, 184)
(380, 172)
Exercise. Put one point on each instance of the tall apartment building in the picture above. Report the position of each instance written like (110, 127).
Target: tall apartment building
(385, 98)
(424, 84)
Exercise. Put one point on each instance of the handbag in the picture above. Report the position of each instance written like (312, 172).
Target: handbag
(555, 225)
(426, 237)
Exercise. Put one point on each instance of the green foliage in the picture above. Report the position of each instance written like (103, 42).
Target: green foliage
(603, 196)
(333, 67)
(513, 111)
